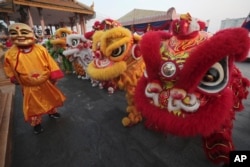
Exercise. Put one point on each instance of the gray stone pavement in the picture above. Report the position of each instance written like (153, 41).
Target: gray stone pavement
(90, 134)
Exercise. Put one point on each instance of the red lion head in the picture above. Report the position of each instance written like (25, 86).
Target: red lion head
(191, 85)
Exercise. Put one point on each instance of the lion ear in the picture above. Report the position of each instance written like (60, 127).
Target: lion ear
(136, 52)
(136, 38)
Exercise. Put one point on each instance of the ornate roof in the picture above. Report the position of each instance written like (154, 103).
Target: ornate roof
(138, 16)
(6, 6)
(53, 11)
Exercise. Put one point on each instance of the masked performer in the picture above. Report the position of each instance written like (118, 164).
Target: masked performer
(117, 62)
(79, 53)
(31, 66)
(59, 45)
(191, 85)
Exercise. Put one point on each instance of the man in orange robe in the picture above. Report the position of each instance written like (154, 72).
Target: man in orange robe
(31, 66)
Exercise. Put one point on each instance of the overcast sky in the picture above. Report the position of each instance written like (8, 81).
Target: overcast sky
(213, 10)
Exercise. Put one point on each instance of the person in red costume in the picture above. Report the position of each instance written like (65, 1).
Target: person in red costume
(30, 66)
(191, 85)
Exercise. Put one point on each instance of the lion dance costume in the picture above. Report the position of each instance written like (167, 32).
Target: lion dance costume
(117, 60)
(31, 66)
(59, 45)
(191, 85)
(79, 53)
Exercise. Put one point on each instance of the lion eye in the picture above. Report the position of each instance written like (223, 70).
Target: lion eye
(118, 51)
(75, 42)
(211, 76)
(216, 78)
(214, 75)
(64, 34)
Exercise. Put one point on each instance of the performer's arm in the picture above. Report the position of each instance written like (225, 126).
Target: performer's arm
(55, 71)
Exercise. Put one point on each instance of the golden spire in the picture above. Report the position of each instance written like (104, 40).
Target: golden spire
(92, 6)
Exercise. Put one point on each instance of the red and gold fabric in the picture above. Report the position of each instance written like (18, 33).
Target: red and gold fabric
(191, 86)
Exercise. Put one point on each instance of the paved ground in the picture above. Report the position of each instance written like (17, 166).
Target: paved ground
(90, 134)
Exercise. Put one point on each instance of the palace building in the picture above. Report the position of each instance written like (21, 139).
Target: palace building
(47, 14)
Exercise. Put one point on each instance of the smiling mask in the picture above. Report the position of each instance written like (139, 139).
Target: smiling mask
(21, 34)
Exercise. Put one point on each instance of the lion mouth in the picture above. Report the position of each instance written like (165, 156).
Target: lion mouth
(102, 63)
(176, 101)
(178, 104)
(100, 60)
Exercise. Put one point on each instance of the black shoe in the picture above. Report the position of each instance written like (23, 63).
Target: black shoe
(55, 115)
(38, 129)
